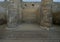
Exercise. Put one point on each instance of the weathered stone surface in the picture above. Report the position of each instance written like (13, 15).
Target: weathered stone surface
(31, 12)
(46, 17)
(13, 13)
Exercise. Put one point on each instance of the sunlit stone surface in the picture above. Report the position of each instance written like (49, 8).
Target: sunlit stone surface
(46, 16)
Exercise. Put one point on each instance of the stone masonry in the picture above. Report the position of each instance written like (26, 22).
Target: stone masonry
(13, 13)
(46, 16)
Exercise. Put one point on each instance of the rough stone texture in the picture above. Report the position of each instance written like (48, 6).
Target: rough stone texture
(46, 16)
(13, 13)
(35, 16)
(31, 13)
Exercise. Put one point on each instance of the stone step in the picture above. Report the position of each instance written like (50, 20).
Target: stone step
(25, 34)
(30, 41)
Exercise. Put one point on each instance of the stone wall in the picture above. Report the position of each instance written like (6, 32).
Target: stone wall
(46, 16)
(29, 15)
(31, 4)
(56, 12)
(31, 11)
(16, 9)
(56, 6)
(13, 13)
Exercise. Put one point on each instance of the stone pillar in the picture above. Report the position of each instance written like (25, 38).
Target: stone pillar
(13, 13)
(46, 14)
(20, 11)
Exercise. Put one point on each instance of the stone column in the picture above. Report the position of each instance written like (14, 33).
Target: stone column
(13, 13)
(20, 11)
(46, 14)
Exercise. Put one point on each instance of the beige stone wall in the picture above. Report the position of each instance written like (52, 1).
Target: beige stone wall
(29, 4)
(31, 13)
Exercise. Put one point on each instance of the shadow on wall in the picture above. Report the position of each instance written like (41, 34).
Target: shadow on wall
(3, 21)
(56, 18)
(3, 16)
